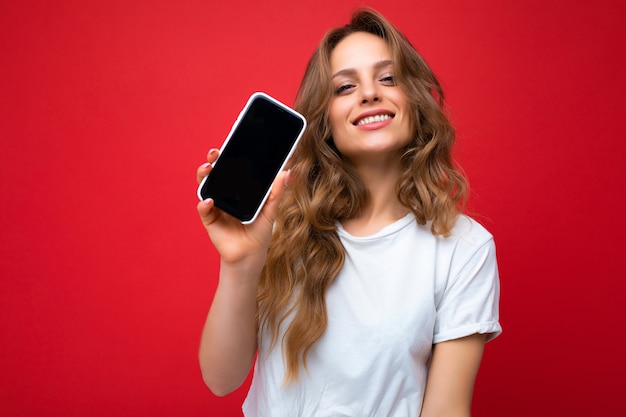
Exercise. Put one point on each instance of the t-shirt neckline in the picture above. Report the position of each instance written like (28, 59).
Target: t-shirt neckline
(385, 231)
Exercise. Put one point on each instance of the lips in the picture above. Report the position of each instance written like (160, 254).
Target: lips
(373, 117)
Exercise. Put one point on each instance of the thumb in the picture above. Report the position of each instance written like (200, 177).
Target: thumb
(278, 190)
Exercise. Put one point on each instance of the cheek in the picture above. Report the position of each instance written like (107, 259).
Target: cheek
(338, 116)
(408, 127)
(333, 110)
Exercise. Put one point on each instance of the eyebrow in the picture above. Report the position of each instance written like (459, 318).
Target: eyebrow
(352, 71)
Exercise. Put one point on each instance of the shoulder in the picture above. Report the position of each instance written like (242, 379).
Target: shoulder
(469, 243)
(468, 231)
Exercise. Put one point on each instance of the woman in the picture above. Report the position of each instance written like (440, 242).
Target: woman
(364, 289)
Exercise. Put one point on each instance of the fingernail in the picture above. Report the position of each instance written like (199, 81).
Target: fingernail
(206, 165)
(207, 201)
(287, 177)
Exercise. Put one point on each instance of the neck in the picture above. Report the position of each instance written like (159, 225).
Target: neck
(383, 207)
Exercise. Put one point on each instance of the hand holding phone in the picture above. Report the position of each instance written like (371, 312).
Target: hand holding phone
(254, 152)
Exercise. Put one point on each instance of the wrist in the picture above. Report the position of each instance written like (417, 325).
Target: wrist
(245, 271)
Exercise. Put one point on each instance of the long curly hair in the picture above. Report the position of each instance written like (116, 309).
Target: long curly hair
(306, 253)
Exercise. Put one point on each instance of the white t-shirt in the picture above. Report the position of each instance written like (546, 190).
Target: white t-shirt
(400, 291)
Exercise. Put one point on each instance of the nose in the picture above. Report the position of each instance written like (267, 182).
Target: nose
(369, 93)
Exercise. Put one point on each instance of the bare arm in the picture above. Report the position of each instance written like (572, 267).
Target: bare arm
(451, 377)
(228, 341)
(229, 338)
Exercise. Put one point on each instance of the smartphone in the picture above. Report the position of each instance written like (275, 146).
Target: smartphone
(255, 151)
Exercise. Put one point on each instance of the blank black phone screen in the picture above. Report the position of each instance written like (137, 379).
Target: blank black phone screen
(252, 157)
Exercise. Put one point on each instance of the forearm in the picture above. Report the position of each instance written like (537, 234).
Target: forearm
(229, 338)
(451, 377)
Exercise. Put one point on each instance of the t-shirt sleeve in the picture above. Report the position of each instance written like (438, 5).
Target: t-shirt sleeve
(469, 303)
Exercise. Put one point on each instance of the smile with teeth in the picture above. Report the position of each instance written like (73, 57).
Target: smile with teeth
(373, 119)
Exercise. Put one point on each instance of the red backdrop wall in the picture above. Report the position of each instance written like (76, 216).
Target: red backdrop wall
(107, 108)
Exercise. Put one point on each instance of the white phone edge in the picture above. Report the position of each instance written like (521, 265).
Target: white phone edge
(234, 126)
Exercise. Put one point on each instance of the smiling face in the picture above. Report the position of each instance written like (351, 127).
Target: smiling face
(369, 113)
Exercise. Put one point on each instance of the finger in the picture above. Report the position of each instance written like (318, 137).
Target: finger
(205, 169)
(202, 171)
(208, 213)
(212, 155)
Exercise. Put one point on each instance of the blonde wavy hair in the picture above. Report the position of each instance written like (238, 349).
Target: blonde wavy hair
(306, 254)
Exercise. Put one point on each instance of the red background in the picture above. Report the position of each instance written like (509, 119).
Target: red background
(107, 107)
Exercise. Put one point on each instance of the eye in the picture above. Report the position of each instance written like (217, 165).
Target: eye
(343, 88)
(388, 80)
